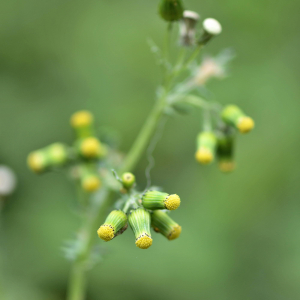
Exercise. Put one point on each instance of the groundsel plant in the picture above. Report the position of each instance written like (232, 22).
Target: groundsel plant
(109, 198)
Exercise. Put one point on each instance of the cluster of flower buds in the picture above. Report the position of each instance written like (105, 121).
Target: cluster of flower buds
(220, 144)
(85, 152)
(172, 10)
(149, 211)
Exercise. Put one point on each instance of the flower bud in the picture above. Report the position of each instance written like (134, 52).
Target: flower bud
(89, 178)
(91, 183)
(225, 152)
(114, 223)
(51, 156)
(171, 10)
(234, 116)
(90, 148)
(128, 180)
(158, 200)
(37, 161)
(187, 27)
(161, 222)
(139, 221)
(206, 147)
(211, 28)
(82, 122)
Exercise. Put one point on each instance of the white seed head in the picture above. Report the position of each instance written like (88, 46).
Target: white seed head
(188, 14)
(212, 26)
(7, 181)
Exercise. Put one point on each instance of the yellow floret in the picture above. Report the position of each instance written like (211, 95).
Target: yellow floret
(175, 233)
(172, 202)
(144, 241)
(91, 184)
(226, 166)
(204, 156)
(245, 124)
(106, 232)
(90, 147)
(81, 119)
(36, 161)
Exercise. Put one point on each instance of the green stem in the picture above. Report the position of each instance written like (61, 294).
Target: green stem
(144, 135)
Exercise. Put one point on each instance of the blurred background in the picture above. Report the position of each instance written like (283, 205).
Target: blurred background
(241, 232)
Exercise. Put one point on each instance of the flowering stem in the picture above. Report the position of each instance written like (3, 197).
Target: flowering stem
(98, 205)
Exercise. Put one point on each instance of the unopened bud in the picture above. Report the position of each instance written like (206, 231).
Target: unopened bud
(171, 10)
(114, 223)
(158, 200)
(225, 151)
(162, 223)
(128, 180)
(82, 122)
(90, 148)
(234, 116)
(206, 147)
(139, 221)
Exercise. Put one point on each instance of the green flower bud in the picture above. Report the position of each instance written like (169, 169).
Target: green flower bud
(82, 122)
(234, 116)
(128, 180)
(54, 155)
(206, 147)
(225, 151)
(158, 200)
(90, 181)
(139, 221)
(171, 10)
(161, 222)
(57, 154)
(90, 148)
(114, 223)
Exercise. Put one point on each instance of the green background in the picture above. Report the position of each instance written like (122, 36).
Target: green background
(241, 232)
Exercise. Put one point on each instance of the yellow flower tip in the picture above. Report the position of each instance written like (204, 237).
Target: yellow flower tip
(36, 161)
(226, 166)
(106, 232)
(144, 241)
(172, 202)
(81, 119)
(245, 124)
(91, 184)
(91, 147)
(175, 233)
(204, 156)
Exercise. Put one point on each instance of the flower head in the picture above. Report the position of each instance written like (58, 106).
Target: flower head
(206, 147)
(139, 221)
(114, 223)
(162, 223)
(158, 200)
(82, 122)
(90, 147)
(91, 183)
(234, 116)
(225, 151)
